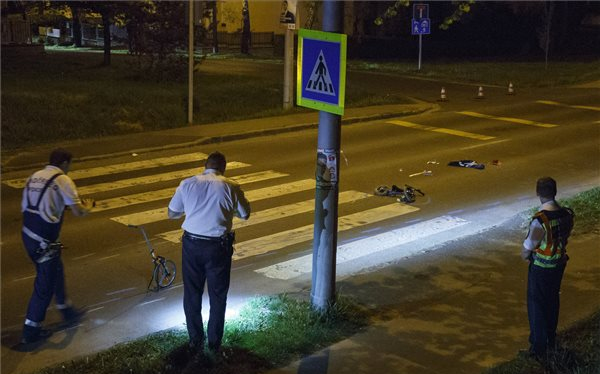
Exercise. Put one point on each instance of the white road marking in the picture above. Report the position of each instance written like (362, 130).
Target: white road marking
(154, 178)
(160, 214)
(82, 257)
(145, 197)
(284, 239)
(507, 119)
(24, 278)
(105, 302)
(364, 247)
(108, 257)
(95, 309)
(123, 290)
(275, 213)
(122, 168)
(151, 301)
(484, 144)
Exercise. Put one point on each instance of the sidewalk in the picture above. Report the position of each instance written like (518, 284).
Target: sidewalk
(459, 309)
(187, 136)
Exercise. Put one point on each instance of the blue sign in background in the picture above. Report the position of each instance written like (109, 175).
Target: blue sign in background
(310, 56)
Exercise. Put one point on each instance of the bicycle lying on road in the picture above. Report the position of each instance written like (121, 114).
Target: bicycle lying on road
(404, 195)
(164, 271)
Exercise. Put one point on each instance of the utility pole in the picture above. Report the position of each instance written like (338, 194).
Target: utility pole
(288, 68)
(190, 62)
(326, 196)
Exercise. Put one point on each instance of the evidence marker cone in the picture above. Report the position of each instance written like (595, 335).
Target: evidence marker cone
(443, 95)
(511, 89)
(480, 93)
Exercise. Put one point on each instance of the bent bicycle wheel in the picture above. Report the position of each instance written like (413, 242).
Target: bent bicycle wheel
(164, 273)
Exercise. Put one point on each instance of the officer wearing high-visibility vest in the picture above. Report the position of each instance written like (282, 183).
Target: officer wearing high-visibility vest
(46, 194)
(545, 248)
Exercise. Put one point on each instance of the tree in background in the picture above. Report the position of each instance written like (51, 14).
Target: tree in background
(158, 35)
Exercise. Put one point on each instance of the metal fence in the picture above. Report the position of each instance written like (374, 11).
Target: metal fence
(15, 31)
(233, 40)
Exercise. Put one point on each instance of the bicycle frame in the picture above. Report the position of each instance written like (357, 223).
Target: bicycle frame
(164, 270)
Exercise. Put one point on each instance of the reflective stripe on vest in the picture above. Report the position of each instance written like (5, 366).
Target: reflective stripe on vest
(551, 249)
(32, 220)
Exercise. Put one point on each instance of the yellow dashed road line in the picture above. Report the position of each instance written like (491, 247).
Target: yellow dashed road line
(507, 119)
(547, 102)
(442, 130)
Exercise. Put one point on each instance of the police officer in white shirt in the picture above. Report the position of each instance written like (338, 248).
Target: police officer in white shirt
(46, 194)
(209, 202)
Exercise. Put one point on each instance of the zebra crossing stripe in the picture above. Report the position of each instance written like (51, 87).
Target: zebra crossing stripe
(367, 246)
(122, 168)
(284, 239)
(547, 102)
(508, 119)
(272, 214)
(155, 178)
(145, 197)
(441, 130)
(160, 214)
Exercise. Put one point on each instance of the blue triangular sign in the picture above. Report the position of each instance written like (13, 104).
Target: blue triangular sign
(320, 80)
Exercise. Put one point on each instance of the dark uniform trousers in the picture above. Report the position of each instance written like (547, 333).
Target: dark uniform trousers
(543, 304)
(49, 280)
(205, 261)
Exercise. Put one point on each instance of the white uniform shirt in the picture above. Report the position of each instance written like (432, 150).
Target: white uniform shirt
(209, 201)
(62, 191)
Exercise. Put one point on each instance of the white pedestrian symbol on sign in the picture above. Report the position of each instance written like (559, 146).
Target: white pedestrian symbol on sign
(320, 81)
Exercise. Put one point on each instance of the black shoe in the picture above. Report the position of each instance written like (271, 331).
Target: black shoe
(34, 334)
(217, 354)
(71, 315)
(196, 347)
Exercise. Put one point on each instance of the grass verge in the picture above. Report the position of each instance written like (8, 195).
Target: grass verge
(69, 95)
(269, 332)
(585, 205)
(579, 353)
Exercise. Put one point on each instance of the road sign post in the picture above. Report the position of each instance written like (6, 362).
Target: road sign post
(420, 25)
(321, 85)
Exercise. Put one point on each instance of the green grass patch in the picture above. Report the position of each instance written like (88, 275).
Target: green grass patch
(579, 353)
(68, 95)
(521, 74)
(586, 206)
(269, 332)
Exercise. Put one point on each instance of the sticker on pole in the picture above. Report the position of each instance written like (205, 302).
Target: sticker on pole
(321, 71)
(327, 169)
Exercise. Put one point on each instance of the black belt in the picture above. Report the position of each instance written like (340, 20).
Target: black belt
(202, 237)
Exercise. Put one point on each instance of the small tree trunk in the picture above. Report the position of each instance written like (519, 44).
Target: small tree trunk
(215, 28)
(106, 25)
(245, 28)
(76, 26)
(549, 12)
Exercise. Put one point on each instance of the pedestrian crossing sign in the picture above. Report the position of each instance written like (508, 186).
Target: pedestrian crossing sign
(321, 70)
